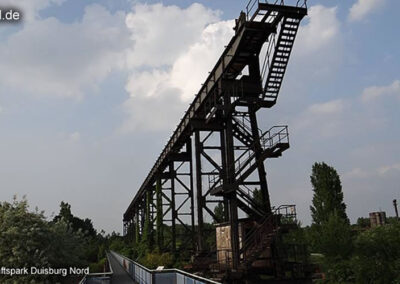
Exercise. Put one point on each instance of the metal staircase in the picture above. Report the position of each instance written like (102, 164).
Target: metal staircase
(248, 204)
(277, 64)
(259, 244)
(279, 44)
(273, 142)
(242, 132)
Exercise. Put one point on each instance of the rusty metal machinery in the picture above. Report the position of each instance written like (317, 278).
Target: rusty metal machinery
(217, 153)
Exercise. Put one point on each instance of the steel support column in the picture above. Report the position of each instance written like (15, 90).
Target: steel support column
(262, 174)
(229, 181)
(199, 191)
(191, 193)
(173, 211)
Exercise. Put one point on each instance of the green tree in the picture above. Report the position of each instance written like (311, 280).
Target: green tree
(137, 232)
(330, 233)
(67, 247)
(377, 255)
(328, 195)
(27, 239)
(24, 237)
(335, 240)
(258, 198)
(147, 238)
(219, 212)
(363, 222)
(85, 225)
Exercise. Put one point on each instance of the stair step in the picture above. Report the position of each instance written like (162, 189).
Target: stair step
(289, 32)
(285, 44)
(279, 64)
(281, 57)
(286, 22)
(274, 83)
(290, 29)
(290, 24)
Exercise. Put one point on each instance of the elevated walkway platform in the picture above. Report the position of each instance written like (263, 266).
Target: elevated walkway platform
(127, 271)
(120, 275)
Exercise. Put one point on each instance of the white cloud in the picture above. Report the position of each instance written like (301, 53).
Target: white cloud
(322, 119)
(356, 173)
(331, 107)
(318, 50)
(193, 66)
(158, 112)
(374, 92)
(64, 59)
(161, 33)
(74, 137)
(29, 8)
(169, 61)
(180, 71)
(320, 32)
(382, 171)
(364, 7)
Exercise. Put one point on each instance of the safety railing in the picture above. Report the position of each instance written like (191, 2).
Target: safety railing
(252, 5)
(274, 136)
(255, 236)
(287, 212)
(143, 275)
(224, 260)
(271, 138)
(98, 278)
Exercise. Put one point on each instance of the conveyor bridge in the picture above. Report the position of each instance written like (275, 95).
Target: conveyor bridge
(216, 154)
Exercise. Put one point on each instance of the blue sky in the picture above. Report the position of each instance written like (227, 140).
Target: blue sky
(84, 85)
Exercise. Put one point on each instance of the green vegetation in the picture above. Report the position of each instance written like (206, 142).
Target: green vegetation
(345, 253)
(219, 212)
(377, 255)
(159, 229)
(328, 195)
(27, 239)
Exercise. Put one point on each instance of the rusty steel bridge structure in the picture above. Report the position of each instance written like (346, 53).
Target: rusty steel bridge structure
(216, 154)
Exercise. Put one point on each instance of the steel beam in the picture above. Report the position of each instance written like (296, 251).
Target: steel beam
(199, 188)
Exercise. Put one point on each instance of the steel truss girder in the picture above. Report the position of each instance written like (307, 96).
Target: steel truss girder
(176, 183)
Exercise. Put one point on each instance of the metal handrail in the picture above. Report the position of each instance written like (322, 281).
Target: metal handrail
(98, 274)
(257, 231)
(169, 270)
(282, 134)
(251, 4)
